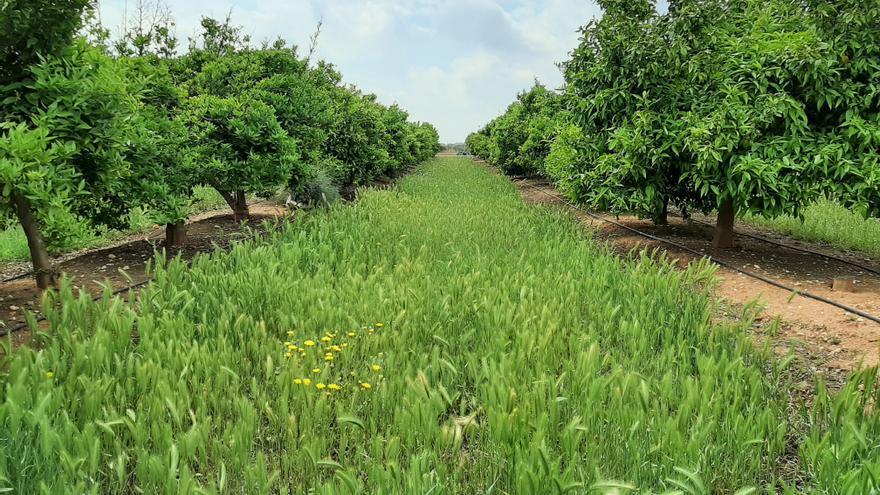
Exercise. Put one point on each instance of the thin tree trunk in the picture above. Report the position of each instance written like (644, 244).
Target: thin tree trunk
(44, 272)
(241, 211)
(663, 216)
(238, 203)
(724, 226)
(175, 234)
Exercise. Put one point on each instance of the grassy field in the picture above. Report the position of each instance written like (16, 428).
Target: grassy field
(441, 337)
(13, 245)
(828, 222)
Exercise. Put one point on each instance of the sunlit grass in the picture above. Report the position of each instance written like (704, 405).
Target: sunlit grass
(828, 222)
(473, 344)
(13, 245)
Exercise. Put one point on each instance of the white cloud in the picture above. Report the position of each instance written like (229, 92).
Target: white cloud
(455, 63)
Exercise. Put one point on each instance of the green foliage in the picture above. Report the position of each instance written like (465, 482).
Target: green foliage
(164, 168)
(519, 140)
(359, 143)
(303, 108)
(240, 144)
(479, 144)
(761, 104)
(32, 165)
(220, 37)
(30, 29)
(83, 99)
(14, 247)
(145, 129)
(544, 349)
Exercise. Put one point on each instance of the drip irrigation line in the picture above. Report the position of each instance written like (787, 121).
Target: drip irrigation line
(31, 272)
(793, 248)
(718, 262)
(21, 326)
(24, 325)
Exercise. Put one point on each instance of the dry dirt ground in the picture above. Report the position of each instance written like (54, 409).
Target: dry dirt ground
(125, 262)
(829, 340)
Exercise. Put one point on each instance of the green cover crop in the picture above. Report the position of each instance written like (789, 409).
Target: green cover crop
(440, 337)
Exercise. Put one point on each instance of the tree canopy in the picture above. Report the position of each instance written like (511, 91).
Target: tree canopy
(739, 106)
(93, 127)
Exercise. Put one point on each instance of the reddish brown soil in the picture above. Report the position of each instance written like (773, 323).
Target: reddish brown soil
(125, 263)
(829, 338)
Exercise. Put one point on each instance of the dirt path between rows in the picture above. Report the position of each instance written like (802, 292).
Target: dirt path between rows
(830, 339)
(125, 262)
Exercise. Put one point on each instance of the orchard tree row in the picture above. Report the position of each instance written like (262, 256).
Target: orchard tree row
(92, 126)
(736, 106)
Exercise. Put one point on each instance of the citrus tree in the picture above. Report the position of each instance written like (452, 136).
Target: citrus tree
(78, 102)
(164, 170)
(240, 146)
(737, 106)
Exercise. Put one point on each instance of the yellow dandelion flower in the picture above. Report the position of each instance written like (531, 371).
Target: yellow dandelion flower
(328, 357)
(376, 368)
(366, 386)
(288, 355)
(320, 386)
(306, 382)
(49, 375)
(334, 386)
(351, 334)
(326, 339)
(309, 343)
(297, 381)
(316, 370)
(380, 325)
(336, 348)
(290, 333)
(288, 344)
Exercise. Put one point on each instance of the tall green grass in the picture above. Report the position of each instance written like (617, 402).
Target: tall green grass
(13, 244)
(476, 345)
(828, 222)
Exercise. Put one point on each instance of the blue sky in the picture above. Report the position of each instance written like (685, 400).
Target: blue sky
(454, 63)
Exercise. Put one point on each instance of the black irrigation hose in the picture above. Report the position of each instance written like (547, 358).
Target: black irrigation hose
(30, 273)
(794, 248)
(139, 285)
(21, 326)
(24, 325)
(718, 262)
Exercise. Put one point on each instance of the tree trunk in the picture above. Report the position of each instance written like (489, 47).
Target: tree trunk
(238, 202)
(724, 226)
(175, 234)
(44, 272)
(663, 217)
(240, 210)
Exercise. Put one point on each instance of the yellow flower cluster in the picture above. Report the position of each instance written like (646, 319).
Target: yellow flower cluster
(330, 347)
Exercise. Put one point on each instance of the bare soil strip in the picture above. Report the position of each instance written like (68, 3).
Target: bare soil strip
(829, 338)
